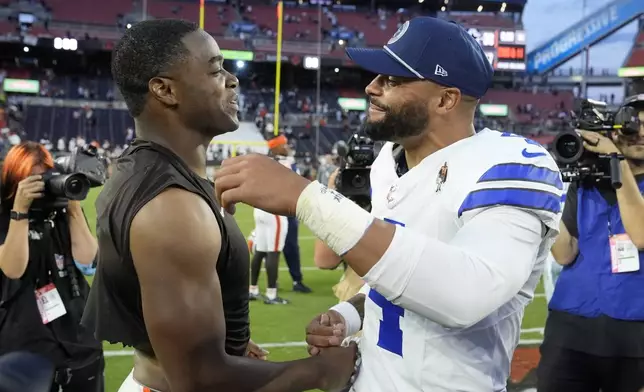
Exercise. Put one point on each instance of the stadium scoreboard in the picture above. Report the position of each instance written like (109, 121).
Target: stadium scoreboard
(504, 48)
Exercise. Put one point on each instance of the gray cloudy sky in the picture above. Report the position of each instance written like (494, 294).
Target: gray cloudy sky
(543, 19)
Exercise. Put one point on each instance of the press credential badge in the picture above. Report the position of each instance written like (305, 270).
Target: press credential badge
(50, 305)
(624, 255)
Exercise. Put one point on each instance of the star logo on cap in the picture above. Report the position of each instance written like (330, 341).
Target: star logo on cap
(399, 33)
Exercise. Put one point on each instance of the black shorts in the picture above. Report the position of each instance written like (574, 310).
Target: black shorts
(565, 370)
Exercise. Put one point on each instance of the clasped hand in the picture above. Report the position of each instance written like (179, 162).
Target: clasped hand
(324, 331)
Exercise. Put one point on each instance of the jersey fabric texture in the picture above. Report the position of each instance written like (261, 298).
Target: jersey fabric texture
(404, 351)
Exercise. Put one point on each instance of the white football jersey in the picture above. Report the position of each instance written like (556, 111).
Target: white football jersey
(403, 351)
(289, 162)
(270, 229)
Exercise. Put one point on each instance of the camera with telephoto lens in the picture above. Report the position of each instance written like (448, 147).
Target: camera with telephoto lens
(353, 180)
(578, 164)
(71, 178)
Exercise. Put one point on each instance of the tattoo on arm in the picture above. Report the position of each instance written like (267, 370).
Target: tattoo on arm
(358, 302)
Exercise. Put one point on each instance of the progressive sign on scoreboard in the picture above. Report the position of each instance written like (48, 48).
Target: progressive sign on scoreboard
(504, 48)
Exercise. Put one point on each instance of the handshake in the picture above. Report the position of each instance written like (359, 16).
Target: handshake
(338, 363)
(325, 336)
(326, 330)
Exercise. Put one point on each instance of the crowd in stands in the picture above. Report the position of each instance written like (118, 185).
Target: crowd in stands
(236, 25)
(97, 115)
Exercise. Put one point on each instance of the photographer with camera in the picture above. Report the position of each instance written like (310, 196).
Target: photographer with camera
(351, 179)
(44, 241)
(595, 328)
(329, 163)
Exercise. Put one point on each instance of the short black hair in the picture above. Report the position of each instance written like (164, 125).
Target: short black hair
(147, 49)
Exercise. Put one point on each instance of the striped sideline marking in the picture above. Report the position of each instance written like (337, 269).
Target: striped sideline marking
(126, 353)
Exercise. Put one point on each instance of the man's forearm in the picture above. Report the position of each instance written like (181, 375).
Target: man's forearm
(324, 257)
(564, 250)
(84, 245)
(262, 376)
(631, 206)
(566, 247)
(443, 281)
(209, 371)
(14, 253)
(371, 247)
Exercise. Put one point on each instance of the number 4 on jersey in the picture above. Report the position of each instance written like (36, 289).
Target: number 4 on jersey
(390, 335)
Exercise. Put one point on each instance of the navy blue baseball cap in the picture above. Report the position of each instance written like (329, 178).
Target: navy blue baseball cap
(431, 49)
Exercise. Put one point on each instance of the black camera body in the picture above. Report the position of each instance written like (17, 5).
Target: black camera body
(353, 180)
(60, 188)
(71, 179)
(578, 164)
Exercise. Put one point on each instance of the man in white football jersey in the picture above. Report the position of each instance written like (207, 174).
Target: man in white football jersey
(268, 239)
(460, 227)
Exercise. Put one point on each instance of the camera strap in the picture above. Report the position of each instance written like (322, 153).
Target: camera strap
(40, 247)
(48, 299)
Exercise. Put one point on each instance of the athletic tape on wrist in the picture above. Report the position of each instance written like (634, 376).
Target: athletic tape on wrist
(334, 219)
(352, 320)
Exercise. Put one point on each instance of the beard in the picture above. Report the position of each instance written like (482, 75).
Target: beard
(632, 148)
(409, 120)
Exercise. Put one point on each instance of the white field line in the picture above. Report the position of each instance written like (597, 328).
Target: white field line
(125, 353)
(532, 330)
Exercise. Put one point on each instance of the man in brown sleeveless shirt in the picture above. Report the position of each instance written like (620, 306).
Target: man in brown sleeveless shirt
(172, 278)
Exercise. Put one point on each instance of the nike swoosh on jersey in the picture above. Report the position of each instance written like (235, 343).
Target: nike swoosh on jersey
(529, 154)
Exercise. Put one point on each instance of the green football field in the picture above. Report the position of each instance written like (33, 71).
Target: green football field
(280, 329)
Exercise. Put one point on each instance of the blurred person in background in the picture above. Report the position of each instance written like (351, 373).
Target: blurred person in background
(594, 335)
(325, 258)
(267, 241)
(44, 251)
(284, 153)
(15, 120)
(329, 163)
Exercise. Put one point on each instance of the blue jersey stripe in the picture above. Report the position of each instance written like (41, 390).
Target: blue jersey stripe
(517, 197)
(522, 172)
(381, 301)
(394, 222)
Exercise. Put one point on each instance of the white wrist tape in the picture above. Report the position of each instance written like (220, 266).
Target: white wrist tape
(334, 219)
(352, 320)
